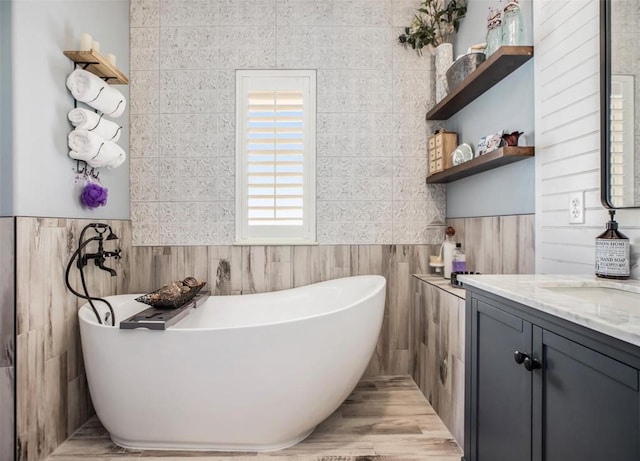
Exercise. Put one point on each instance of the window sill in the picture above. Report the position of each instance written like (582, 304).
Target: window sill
(274, 242)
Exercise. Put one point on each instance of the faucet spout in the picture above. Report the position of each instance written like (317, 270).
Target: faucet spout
(108, 269)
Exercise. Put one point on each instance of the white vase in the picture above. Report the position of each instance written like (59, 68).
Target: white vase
(444, 59)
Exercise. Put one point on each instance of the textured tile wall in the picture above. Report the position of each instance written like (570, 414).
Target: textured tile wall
(52, 394)
(371, 133)
(7, 338)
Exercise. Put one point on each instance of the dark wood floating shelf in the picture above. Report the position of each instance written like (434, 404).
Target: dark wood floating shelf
(499, 157)
(94, 62)
(500, 64)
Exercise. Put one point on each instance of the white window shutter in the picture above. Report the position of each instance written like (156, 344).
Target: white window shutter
(275, 163)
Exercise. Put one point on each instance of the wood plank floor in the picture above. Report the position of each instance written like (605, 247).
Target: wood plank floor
(384, 419)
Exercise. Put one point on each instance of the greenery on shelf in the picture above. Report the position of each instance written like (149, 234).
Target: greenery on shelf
(434, 24)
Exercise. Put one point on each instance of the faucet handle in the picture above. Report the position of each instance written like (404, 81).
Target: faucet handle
(117, 253)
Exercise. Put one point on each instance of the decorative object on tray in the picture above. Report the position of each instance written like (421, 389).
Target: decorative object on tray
(462, 67)
(494, 31)
(174, 294)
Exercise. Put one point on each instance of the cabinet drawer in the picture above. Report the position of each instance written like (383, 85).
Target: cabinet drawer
(432, 155)
(438, 152)
(438, 140)
(432, 167)
(432, 142)
(439, 164)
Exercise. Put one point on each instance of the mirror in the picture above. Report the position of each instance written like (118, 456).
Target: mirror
(620, 103)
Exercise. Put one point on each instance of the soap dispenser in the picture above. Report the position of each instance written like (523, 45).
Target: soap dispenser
(612, 252)
(459, 259)
(448, 246)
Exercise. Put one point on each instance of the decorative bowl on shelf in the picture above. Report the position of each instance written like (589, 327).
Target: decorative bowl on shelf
(463, 153)
(462, 67)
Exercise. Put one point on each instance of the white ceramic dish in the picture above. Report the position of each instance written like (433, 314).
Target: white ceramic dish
(463, 153)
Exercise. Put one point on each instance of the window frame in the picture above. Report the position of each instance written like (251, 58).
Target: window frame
(276, 80)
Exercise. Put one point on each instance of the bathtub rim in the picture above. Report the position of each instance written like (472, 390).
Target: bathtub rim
(86, 315)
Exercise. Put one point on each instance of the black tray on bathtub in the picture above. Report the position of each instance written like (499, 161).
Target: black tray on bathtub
(158, 318)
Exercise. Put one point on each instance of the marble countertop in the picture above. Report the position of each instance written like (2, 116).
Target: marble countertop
(442, 283)
(572, 297)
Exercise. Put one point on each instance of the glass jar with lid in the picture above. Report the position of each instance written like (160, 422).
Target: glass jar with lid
(494, 31)
(512, 26)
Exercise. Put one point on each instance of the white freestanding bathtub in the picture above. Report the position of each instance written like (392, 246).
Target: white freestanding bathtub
(249, 373)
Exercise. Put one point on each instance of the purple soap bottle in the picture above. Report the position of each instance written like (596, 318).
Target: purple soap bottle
(459, 263)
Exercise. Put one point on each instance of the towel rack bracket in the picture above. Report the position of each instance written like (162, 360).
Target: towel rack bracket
(83, 168)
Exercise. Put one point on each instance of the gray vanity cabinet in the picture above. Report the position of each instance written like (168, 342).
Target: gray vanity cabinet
(538, 389)
(586, 404)
(502, 388)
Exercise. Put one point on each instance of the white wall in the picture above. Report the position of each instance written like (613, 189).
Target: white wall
(43, 180)
(567, 75)
(6, 164)
(508, 106)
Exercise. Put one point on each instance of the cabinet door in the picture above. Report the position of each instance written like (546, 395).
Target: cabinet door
(585, 405)
(500, 387)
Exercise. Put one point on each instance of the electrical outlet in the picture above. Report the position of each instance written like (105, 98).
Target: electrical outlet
(576, 208)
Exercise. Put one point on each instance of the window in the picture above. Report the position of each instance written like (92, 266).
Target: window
(275, 157)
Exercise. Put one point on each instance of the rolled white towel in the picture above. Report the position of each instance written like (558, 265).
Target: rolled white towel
(92, 90)
(94, 150)
(110, 156)
(84, 119)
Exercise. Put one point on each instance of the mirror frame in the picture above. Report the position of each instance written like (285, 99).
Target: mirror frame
(605, 96)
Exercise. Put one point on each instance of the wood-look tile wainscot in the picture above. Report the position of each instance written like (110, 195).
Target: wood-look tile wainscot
(384, 419)
(438, 348)
(497, 244)
(257, 269)
(53, 399)
(52, 394)
(7, 334)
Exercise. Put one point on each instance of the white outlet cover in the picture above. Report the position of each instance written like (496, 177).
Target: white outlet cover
(576, 208)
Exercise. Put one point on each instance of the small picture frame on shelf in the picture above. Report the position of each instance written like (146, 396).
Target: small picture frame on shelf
(489, 143)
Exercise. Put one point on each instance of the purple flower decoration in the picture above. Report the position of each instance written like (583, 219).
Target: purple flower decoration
(93, 195)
